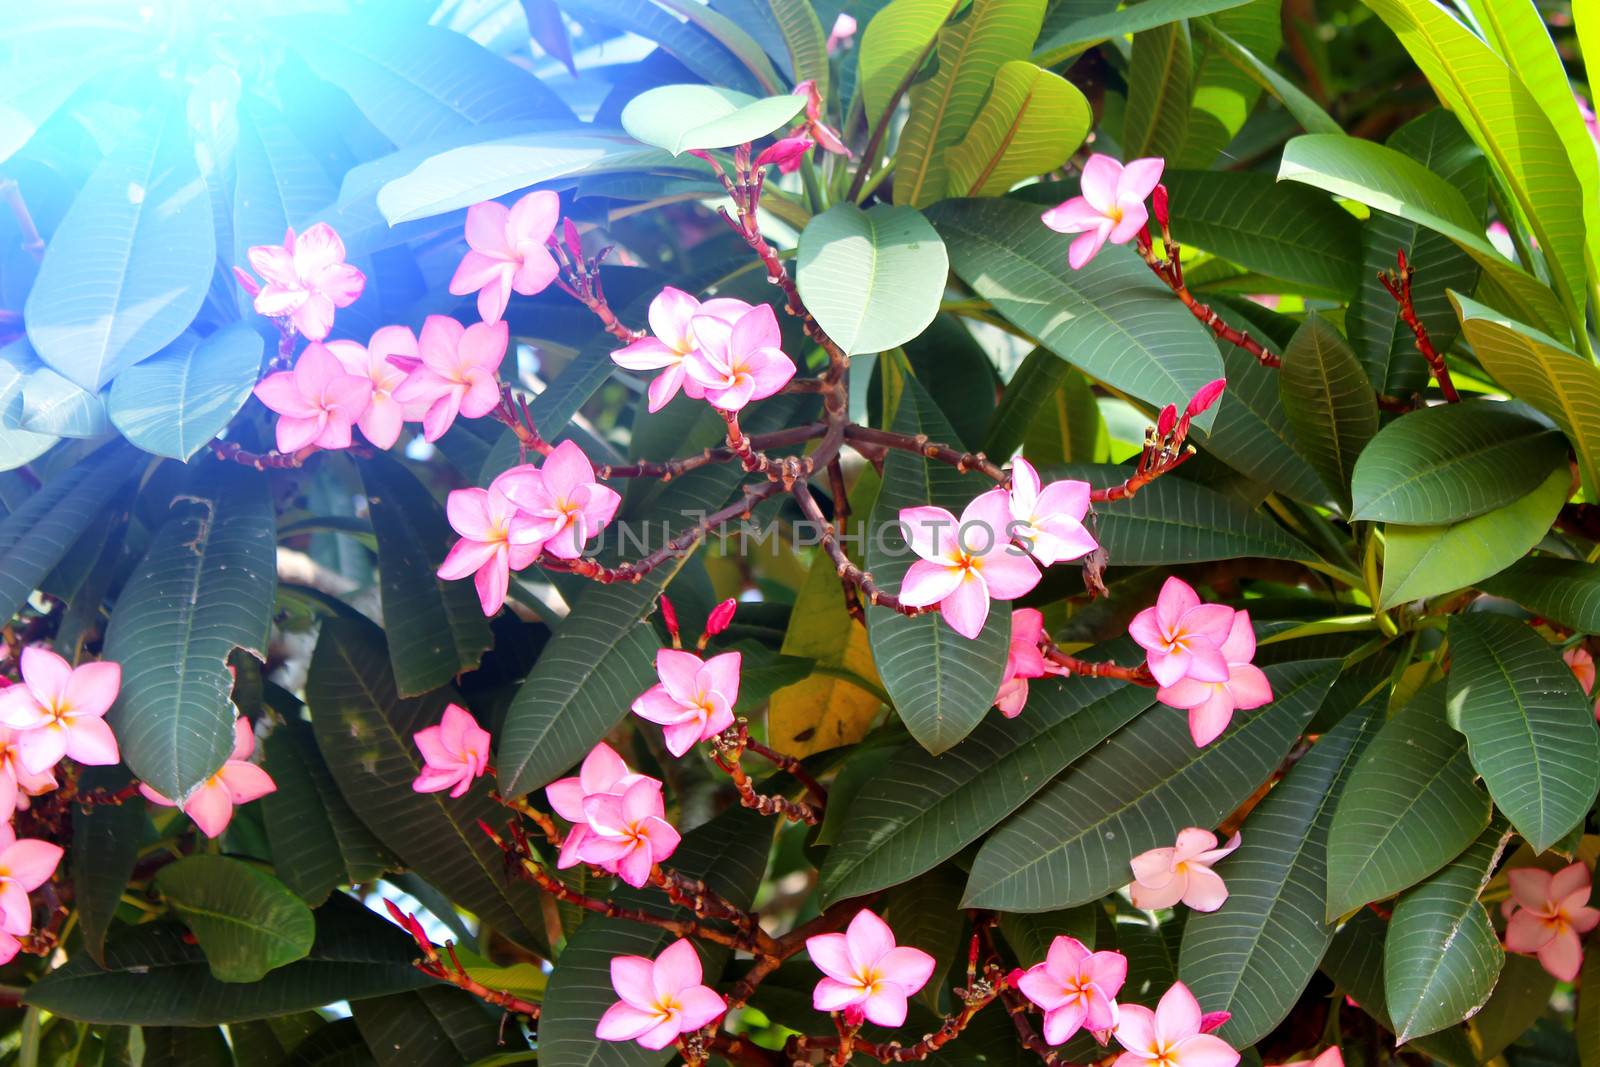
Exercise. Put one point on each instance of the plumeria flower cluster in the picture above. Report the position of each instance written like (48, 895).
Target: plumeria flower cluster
(1075, 988)
(554, 508)
(237, 781)
(1181, 873)
(618, 818)
(1546, 916)
(723, 351)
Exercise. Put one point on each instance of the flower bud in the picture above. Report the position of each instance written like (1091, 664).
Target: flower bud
(1211, 1020)
(1206, 396)
(721, 616)
(1158, 204)
(247, 283)
(569, 232)
(669, 616)
(1167, 419)
(786, 153)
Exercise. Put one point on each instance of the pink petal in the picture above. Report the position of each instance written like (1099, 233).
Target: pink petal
(492, 582)
(1192, 842)
(314, 318)
(91, 742)
(1154, 869)
(1211, 856)
(676, 969)
(1042, 989)
(634, 867)
(633, 977)
(966, 608)
(43, 748)
(1208, 721)
(1526, 932)
(1145, 629)
(383, 421)
(211, 808)
(1530, 887)
(16, 914)
(46, 674)
(699, 1006)
(769, 370)
(1108, 970)
(680, 737)
(886, 1006)
(930, 531)
(1086, 246)
(340, 283)
(565, 796)
(1571, 879)
(909, 968)
(722, 672)
(1169, 668)
(869, 939)
(1073, 216)
(647, 353)
(1248, 687)
(317, 248)
(678, 671)
(1062, 1022)
(565, 469)
(670, 312)
(466, 557)
(273, 262)
(1067, 497)
(486, 229)
(928, 583)
(832, 995)
(1206, 890)
(30, 862)
(19, 709)
(662, 1034)
(1065, 957)
(1206, 1050)
(441, 414)
(1211, 621)
(1139, 178)
(246, 781)
(623, 1022)
(1178, 1014)
(1205, 661)
(1136, 1029)
(1098, 183)
(495, 295)
(664, 387)
(831, 954)
(602, 768)
(281, 393)
(1154, 899)
(533, 218)
(1134, 217)
(1009, 573)
(483, 345)
(1176, 599)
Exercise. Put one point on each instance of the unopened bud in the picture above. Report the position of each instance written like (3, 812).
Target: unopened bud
(854, 1016)
(1167, 420)
(787, 154)
(1158, 204)
(1211, 1020)
(1206, 396)
(247, 283)
(570, 232)
(1014, 977)
(721, 616)
(669, 616)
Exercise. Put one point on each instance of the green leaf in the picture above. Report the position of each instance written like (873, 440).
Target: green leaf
(1030, 935)
(1072, 842)
(969, 54)
(1586, 1026)
(1328, 402)
(708, 58)
(1254, 956)
(1542, 372)
(806, 40)
(432, 1027)
(1391, 181)
(1566, 591)
(925, 913)
(1079, 35)
(1160, 83)
(247, 922)
(106, 839)
(942, 684)
(52, 404)
(1505, 119)
(183, 396)
(1252, 433)
(920, 809)
(155, 976)
(893, 48)
(184, 1046)
(1424, 561)
(1441, 958)
(730, 854)
(1530, 729)
(1306, 111)
(205, 588)
(1111, 319)
(436, 628)
(365, 731)
(1447, 463)
(143, 220)
(1032, 121)
(1036, 387)
(318, 843)
(686, 118)
(278, 182)
(1520, 997)
(1225, 95)
(873, 278)
(1410, 806)
(1279, 230)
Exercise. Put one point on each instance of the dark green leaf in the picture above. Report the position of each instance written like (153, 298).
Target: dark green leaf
(1252, 433)
(689, 118)
(1160, 81)
(106, 839)
(1564, 590)
(432, 1027)
(1328, 402)
(247, 921)
(926, 913)
(185, 1046)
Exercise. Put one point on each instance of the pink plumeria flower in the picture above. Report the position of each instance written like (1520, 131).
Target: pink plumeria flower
(844, 28)
(1171, 1036)
(561, 500)
(694, 699)
(1211, 704)
(508, 251)
(787, 153)
(672, 341)
(1328, 1057)
(740, 361)
(59, 710)
(1553, 910)
(317, 402)
(1076, 989)
(964, 565)
(1164, 876)
(1111, 207)
(603, 773)
(455, 752)
(25, 865)
(496, 539)
(1182, 637)
(237, 782)
(1023, 661)
(661, 1000)
(628, 834)
(17, 783)
(1050, 519)
(825, 136)
(865, 970)
(306, 279)
(1500, 238)
(384, 416)
(1577, 657)
(456, 373)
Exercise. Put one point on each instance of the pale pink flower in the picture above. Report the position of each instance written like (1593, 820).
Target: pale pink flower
(457, 372)
(694, 699)
(508, 251)
(1211, 704)
(787, 152)
(661, 1000)
(864, 969)
(1577, 657)
(1553, 909)
(603, 772)
(1500, 238)
(384, 416)
(1111, 207)
(25, 865)
(1182, 637)
(455, 751)
(306, 279)
(628, 834)
(1164, 876)
(672, 341)
(563, 504)
(1171, 1036)
(317, 402)
(741, 361)
(1050, 519)
(496, 539)
(844, 28)
(17, 783)
(1589, 119)
(1328, 1057)
(59, 710)
(1023, 661)
(1076, 989)
(965, 564)
(237, 782)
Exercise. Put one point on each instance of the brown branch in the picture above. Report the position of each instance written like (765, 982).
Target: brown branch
(920, 444)
(1398, 284)
(848, 572)
(834, 919)
(666, 470)
(1139, 675)
(513, 412)
(433, 965)
(233, 452)
(841, 518)
(727, 750)
(580, 279)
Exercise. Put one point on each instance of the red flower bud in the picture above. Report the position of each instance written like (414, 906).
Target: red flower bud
(1014, 977)
(787, 153)
(1206, 396)
(570, 233)
(669, 615)
(1158, 203)
(721, 616)
(855, 1016)
(1213, 1019)
(1167, 419)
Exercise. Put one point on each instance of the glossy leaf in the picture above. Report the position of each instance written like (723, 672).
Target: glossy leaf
(1072, 842)
(1424, 561)
(53, 404)
(1252, 433)
(106, 840)
(1564, 590)
(205, 588)
(1447, 463)
(806, 40)
(432, 1027)
(685, 118)
(1031, 122)
(1079, 35)
(183, 396)
(247, 921)
(1530, 729)
(1224, 94)
(894, 46)
(1409, 807)
(1160, 81)
(873, 278)
(1328, 402)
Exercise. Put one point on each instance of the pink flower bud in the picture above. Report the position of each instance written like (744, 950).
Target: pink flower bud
(1167, 419)
(721, 616)
(787, 154)
(1158, 201)
(249, 284)
(855, 1016)
(669, 616)
(1206, 396)
(1212, 1020)
(570, 233)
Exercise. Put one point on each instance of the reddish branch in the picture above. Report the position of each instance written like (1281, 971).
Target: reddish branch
(434, 965)
(233, 452)
(1139, 675)
(666, 470)
(1398, 283)
(513, 411)
(580, 279)
(728, 749)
